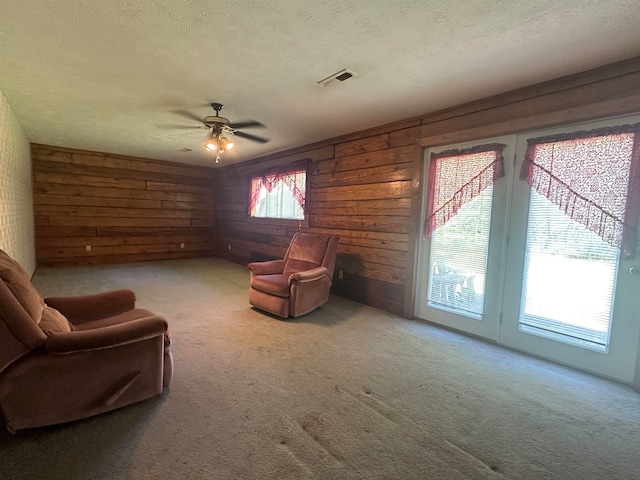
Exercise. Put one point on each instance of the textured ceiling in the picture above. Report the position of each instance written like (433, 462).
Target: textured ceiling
(117, 76)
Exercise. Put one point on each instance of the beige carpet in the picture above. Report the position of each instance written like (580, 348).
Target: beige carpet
(346, 392)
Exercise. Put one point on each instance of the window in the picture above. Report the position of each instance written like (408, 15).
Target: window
(594, 177)
(279, 195)
(458, 219)
(581, 208)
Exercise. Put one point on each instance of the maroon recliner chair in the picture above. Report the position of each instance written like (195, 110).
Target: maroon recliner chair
(67, 358)
(300, 282)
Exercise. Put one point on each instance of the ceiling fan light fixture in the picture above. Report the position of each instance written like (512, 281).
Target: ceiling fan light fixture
(211, 144)
(228, 144)
(220, 126)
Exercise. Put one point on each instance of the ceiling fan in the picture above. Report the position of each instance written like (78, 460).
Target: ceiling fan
(221, 128)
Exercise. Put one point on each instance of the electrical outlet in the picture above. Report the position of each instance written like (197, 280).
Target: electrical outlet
(88, 248)
(182, 245)
(229, 247)
(340, 274)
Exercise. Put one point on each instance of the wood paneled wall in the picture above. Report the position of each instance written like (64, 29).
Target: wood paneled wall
(366, 187)
(125, 209)
(360, 190)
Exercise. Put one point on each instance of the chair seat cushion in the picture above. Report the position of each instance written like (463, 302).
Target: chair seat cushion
(274, 284)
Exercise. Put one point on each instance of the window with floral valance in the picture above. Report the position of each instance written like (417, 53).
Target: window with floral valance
(574, 170)
(279, 194)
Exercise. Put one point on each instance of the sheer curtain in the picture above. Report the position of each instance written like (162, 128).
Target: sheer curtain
(594, 177)
(456, 177)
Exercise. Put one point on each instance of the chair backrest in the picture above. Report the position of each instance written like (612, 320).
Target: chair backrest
(310, 250)
(21, 308)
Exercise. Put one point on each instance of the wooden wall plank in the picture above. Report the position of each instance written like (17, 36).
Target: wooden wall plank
(361, 161)
(97, 159)
(396, 206)
(371, 223)
(389, 241)
(176, 187)
(196, 206)
(50, 155)
(120, 258)
(382, 174)
(65, 221)
(51, 189)
(86, 201)
(362, 145)
(379, 294)
(307, 153)
(103, 241)
(123, 173)
(118, 212)
(115, 231)
(125, 209)
(389, 190)
(94, 181)
(79, 251)
(143, 166)
(45, 232)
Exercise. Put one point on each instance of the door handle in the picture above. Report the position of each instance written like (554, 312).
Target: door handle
(635, 270)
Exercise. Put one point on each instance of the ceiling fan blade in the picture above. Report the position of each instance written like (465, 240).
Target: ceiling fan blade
(187, 114)
(246, 124)
(181, 127)
(248, 136)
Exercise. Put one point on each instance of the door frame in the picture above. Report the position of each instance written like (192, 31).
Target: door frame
(488, 327)
(580, 115)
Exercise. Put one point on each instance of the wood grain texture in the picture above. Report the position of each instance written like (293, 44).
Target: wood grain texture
(124, 209)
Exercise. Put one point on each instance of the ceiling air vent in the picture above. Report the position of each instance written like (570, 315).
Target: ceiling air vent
(338, 77)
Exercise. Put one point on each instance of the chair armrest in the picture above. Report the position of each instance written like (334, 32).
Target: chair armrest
(85, 308)
(269, 267)
(106, 337)
(308, 275)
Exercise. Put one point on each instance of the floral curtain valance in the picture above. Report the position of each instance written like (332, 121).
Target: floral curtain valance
(295, 180)
(458, 176)
(594, 177)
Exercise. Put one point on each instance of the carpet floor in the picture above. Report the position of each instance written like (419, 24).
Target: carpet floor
(345, 392)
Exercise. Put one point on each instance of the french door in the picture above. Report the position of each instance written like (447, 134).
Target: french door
(461, 262)
(514, 268)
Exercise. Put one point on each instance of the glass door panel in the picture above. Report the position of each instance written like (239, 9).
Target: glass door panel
(566, 294)
(568, 280)
(458, 259)
(460, 279)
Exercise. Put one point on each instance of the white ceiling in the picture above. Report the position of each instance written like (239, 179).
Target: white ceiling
(117, 75)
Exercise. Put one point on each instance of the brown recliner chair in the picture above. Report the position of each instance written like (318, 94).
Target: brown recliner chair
(300, 282)
(67, 358)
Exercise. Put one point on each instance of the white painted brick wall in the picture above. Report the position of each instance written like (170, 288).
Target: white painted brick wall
(17, 233)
